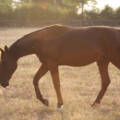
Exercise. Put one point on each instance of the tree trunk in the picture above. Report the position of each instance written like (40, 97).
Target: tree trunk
(82, 8)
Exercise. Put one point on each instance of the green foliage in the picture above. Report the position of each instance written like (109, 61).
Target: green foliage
(5, 9)
(81, 5)
(35, 11)
(107, 12)
(29, 11)
(92, 15)
(117, 13)
(5, 5)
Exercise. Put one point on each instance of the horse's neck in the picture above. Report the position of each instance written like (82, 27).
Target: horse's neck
(22, 47)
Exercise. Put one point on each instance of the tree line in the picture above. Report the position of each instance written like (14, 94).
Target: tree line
(32, 11)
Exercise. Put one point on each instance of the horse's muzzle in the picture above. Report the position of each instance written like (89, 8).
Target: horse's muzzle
(4, 85)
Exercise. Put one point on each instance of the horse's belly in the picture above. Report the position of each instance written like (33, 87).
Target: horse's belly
(76, 58)
(77, 61)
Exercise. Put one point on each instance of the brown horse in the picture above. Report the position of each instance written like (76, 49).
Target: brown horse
(62, 45)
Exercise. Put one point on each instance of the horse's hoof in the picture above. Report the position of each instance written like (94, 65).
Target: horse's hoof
(59, 106)
(95, 104)
(45, 102)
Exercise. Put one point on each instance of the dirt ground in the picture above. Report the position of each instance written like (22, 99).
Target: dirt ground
(79, 85)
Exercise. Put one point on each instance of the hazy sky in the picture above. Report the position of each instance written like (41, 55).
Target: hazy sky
(101, 4)
(112, 3)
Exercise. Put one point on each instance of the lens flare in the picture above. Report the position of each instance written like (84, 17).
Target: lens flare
(44, 6)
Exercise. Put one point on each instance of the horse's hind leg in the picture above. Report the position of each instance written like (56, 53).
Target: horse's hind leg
(56, 82)
(103, 69)
(43, 69)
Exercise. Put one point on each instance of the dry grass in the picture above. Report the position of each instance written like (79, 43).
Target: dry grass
(80, 87)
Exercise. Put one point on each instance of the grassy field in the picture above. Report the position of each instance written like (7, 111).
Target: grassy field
(80, 87)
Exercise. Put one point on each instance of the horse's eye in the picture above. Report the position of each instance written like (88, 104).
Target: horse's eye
(4, 63)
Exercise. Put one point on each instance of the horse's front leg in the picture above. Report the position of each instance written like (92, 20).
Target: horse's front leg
(56, 82)
(43, 69)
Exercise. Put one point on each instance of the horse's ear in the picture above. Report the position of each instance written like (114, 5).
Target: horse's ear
(6, 48)
(2, 51)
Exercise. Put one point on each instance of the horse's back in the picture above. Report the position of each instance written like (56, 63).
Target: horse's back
(82, 46)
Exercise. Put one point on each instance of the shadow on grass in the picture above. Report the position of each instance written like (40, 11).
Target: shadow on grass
(52, 114)
(110, 111)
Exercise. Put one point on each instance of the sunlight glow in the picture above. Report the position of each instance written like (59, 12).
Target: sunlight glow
(101, 4)
(113, 3)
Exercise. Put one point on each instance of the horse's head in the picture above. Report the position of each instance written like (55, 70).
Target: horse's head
(7, 66)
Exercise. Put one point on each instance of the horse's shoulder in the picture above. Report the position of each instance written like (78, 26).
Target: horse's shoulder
(54, 31)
